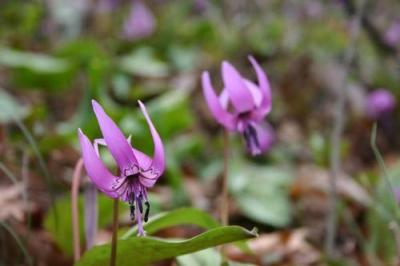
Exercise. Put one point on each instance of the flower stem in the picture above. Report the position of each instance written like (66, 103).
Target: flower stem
(225, 196)
(113, 257)
(75, 214)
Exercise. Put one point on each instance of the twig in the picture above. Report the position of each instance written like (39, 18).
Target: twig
(75, 210)
(8, 173)
(113, 257)
(225, 196)
(337, 131)
(18, 241)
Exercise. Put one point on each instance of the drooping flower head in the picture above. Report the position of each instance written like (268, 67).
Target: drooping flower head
(137, 171)
(379, 102)
(242, 105)
(140, 22)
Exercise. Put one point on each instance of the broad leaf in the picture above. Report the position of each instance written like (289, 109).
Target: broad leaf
(146, 250)
(10, 109)
(39, 63)
(261, 192)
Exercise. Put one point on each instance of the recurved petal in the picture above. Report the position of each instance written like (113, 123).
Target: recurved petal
(239, 94)
(147, 177)
(119, 147)
(158, 162)
(95, 168)
(266, 103)
(220, 114)
(144, 159)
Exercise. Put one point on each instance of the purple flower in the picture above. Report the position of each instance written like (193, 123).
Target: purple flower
(380, 102)
(242, 105)
(392, 35)
(137, 171)
(140, 22)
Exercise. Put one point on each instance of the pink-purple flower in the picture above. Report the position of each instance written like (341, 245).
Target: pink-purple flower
(140, 22)
(379, 102)
(392, 34)
(242, 105)
(137, 171)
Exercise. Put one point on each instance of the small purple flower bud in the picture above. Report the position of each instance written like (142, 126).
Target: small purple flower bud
(140, 22)
(392, 34)
(380, 102)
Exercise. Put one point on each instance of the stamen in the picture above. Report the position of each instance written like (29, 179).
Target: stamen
(146, 214)
(139, 202)
(132, 209)
(252, 142)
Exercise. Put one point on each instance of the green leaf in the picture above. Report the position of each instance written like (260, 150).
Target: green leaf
(35, 62)
(209, 257)
(142, 62)
(146, 250)
(10, 109)
(176, 217)
(261, 192)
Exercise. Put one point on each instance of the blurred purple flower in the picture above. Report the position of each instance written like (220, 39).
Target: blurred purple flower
(140, 22)
(250, 103)
(314, 8)
(380, 102)
(397, 194)
(201, 5)
(392, 34)
(138, 172)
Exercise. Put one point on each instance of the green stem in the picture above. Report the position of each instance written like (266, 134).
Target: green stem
(74, 208)
(113, 257)
(225, 194)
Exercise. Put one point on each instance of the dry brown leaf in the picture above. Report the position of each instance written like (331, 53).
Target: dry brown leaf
(312, 180)
(283, 248)
(11, 203)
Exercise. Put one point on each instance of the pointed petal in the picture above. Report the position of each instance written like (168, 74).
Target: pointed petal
(147, 178)
(255, 92)
(265, 135)
(158, 162)
(263, 84)
(224, 99)
(119, 147)
(239, 94)
(95, 168)
(144, 159)
(222, 116)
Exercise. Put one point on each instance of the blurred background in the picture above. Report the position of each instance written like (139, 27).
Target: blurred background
(57, 55)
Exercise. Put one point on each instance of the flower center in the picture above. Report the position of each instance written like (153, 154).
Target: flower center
(136, 201)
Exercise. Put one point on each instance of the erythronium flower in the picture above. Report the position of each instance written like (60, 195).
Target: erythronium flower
(380, 102)
(137, 171)
(250, 103)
